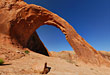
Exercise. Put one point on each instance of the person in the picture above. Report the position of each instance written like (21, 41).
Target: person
(46, 69)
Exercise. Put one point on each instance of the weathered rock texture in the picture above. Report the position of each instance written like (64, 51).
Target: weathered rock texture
(20, 20)
(105, 54)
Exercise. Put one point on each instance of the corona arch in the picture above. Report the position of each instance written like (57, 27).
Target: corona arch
(23, 19)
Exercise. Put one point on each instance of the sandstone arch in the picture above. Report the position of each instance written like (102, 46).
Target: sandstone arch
(24, 19)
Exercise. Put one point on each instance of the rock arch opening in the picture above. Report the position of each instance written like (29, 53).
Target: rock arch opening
(36, 44)
(53, 38)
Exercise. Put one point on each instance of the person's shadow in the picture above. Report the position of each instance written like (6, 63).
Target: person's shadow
(4, 64)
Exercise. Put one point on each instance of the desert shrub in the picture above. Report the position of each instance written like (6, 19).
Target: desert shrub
(1, 61)
(27, 52)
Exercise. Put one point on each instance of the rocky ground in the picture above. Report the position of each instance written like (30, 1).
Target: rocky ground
(33, 64)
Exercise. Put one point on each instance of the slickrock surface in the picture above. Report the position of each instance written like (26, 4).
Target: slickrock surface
(33, 64)
(105, 54)
(67, 55)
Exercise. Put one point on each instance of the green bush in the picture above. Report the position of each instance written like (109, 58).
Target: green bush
(1, 61)
(27, 52)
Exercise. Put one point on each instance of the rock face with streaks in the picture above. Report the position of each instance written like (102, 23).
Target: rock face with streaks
(19, 20)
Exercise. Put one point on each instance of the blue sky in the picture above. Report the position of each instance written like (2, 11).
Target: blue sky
(90, 18)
